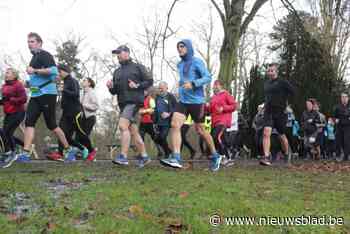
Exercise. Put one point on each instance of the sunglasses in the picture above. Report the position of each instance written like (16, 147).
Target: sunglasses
(181, 46)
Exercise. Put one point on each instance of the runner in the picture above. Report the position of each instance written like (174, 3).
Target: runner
(221, 106)
(13, 99)
(89, 103)
(193, 76)
(277, 92)
(129, 83)
(42, 72)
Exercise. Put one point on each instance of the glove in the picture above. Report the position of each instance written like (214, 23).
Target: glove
(310, 120)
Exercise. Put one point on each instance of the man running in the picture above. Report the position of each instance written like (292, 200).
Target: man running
(42, 72)
(276, 92)
(129, 83)
(193, 76)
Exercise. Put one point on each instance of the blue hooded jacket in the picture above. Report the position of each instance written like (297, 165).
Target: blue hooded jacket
(192, 69)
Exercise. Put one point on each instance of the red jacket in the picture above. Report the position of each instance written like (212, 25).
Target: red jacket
(147, 118)
(227, 102)
(13, 97)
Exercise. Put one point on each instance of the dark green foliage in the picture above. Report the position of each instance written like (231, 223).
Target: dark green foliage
(67, 54)
(303, 61)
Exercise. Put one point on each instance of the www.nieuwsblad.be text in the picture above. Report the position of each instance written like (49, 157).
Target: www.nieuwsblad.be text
(304, 220)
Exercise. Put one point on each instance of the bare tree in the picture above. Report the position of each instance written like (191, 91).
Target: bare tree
(235, 22)
(208, 44)
(334, 31)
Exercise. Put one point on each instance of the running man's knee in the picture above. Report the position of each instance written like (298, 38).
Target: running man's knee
(123, 125)
(177, 121)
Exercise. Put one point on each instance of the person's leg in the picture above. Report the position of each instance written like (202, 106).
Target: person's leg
(216, 134)
(48, 107)
(66, 126)
(163, 142)
(83, 134)
(199, 127)
(124, 136)
(184, 130)
(177, 121)
(346, 143)
(11, 122)
(31, 117)
(137, 139)
(143, 130)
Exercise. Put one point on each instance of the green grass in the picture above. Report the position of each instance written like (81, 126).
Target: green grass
(152, 200)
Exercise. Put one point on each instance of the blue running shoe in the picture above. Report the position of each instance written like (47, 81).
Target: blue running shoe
(69, 155)
(23, 157)
(174, 161)
(120, 160)
(11, 158)
(215, 162)
(143, 161)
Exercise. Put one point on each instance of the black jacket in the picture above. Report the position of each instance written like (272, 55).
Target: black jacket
(309, 122)
(130, 71)
(70, 97)
(343, 114)
(276, 93)
(164, 104)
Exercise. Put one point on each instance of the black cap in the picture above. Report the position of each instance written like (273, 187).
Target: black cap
(120, 49)
(64, 67)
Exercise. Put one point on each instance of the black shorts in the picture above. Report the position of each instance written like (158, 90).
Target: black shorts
(45, 104)
(195, 110)
(276, 118)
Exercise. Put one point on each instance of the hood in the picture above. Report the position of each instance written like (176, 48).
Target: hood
(188, 44)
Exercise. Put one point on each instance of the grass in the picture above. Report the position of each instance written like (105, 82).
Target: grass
(103, 198)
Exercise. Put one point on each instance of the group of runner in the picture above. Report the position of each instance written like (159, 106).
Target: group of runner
(132, 84)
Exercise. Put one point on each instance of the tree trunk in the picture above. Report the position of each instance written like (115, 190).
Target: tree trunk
(228, 56)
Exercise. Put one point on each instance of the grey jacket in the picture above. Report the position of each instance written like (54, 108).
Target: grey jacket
(89, 102)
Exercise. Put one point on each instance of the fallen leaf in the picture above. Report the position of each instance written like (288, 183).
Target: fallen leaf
(184, 194)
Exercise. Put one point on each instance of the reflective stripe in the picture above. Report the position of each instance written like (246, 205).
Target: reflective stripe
(78, 124)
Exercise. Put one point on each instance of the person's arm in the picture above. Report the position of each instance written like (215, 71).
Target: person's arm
(146, 78)
(230, 105)
(92, 102)
(20, 96)
(289, 88)
(205, 76)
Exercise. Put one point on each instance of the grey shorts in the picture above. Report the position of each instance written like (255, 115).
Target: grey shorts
(130, 112)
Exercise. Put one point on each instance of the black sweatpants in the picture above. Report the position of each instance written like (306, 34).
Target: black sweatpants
(71, 124)
(87, 124)
(343, 140)
(149, 129)
(11, 122)
(161, 139)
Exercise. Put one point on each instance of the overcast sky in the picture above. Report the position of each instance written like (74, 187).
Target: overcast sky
(97, 21)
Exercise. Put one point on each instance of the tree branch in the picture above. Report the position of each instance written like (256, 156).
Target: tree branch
(257, 5)
(221, 14)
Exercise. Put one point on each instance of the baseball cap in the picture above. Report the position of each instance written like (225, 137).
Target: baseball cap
(120, 49)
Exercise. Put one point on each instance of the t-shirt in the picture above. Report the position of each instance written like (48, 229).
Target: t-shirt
(40, 60)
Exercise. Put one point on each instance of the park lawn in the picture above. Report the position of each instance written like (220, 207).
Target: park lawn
(104, 198)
